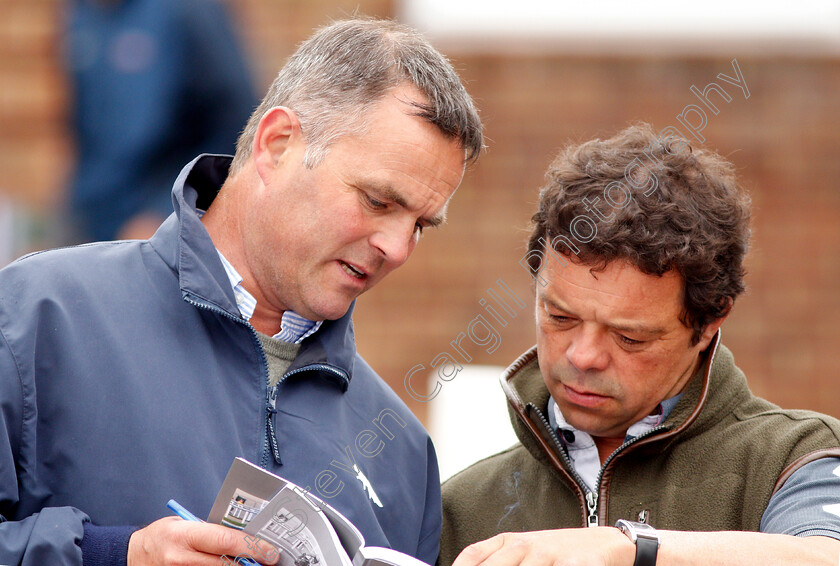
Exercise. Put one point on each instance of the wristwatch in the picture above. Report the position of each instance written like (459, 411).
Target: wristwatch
(644, 537)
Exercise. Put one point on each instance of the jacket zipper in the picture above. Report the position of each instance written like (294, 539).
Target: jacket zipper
(310, 367)
(270, 432)
(592, 509)
(592, 497)
(271, 439)
(612, 456)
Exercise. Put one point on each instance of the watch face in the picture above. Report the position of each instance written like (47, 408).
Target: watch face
(634, 530)
(626, 528)
(645, 538)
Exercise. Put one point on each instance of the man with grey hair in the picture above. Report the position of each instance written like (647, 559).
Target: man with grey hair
(134, 372)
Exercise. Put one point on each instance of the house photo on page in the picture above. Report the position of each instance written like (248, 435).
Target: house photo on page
(302, 528)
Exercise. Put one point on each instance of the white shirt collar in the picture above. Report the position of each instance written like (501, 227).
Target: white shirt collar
(581, 446)
(293, 327)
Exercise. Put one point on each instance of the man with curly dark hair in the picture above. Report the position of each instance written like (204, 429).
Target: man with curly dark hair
(629, 410)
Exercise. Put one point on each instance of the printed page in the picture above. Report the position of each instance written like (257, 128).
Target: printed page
(245, 491)
(378, 556)
(351, 538)
(297, 526)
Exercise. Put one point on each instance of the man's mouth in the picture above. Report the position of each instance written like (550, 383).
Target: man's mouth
(584, 398)
(352, 271)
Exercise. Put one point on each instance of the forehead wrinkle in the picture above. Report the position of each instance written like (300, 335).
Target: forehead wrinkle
(432, 149)
(434, 178)
(592, 288)
(558, 304)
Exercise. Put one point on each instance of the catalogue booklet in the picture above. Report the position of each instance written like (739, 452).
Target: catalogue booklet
(305, 530)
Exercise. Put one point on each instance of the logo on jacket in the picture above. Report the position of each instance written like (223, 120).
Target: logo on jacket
(366, 485)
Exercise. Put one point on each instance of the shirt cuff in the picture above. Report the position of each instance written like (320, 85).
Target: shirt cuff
(105, 546)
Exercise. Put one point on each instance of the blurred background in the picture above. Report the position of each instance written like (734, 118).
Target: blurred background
(543, 73)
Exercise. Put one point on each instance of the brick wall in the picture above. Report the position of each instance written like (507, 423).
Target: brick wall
(784, 140)
(34, 151)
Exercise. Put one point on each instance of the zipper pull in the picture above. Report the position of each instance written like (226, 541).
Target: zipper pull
(272, 437)
(592, 507)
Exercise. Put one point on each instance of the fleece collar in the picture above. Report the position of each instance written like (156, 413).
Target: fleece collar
(528, 400)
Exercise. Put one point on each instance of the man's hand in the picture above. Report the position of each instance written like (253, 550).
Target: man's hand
(174, 542)
(606, 546)
(598, 546)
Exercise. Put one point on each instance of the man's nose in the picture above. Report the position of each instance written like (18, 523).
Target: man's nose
(395, 240)
(587, 350)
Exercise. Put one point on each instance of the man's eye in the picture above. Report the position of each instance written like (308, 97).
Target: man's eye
(375, 204)
(559, 318)
(418, 229)
(629, 341)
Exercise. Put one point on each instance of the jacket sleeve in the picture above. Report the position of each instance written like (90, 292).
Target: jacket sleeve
(51, 535)
(429, 544)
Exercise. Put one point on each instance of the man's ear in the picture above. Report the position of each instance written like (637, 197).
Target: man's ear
(712, 328)
(277, 131)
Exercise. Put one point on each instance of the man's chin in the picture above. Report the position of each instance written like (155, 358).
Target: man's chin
(584, 419)
(328, 311)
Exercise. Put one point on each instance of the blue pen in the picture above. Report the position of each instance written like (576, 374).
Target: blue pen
(182, 512)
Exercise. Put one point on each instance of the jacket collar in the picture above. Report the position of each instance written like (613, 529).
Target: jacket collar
(186, 247)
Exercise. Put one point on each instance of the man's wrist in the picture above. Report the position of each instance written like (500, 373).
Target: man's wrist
(105, 546)
(624, 550)
(645, 538)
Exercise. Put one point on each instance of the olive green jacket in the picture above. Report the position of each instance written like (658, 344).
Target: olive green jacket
(712, 465)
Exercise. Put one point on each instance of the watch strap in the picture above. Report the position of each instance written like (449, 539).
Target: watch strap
(645, 538)
(646, 551)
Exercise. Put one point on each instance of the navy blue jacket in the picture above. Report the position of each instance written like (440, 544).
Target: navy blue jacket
(128, 377)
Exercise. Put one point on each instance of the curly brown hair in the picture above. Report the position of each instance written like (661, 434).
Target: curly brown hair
(680, 208)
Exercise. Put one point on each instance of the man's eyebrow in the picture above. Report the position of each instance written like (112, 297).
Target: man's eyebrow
(438, 218)
(555, 304)
(640, 328)
(621, 327)
(389, 193)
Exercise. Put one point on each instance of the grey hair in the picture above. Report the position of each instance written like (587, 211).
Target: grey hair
(345, 67)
